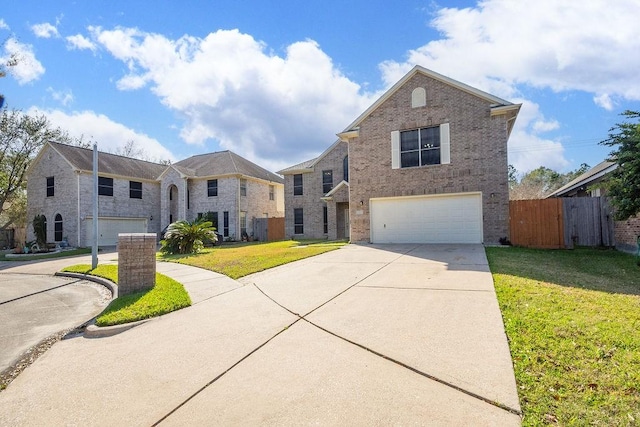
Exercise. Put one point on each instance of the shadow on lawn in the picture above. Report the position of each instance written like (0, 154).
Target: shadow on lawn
(605, 270)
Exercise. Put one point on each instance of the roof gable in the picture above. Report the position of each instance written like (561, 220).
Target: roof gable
(497, 103)
(223, 163)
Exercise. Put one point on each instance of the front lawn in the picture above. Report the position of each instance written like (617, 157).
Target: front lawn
(241, 259)
(573, 323)
(166, 296)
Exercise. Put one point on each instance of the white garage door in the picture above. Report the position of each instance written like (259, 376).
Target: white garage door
(109, 228)
(455, 218)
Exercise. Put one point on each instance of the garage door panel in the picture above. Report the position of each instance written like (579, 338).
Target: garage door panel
(430, 219)
(109, 228)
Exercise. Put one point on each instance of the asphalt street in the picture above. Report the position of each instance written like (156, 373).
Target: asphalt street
(36, 306)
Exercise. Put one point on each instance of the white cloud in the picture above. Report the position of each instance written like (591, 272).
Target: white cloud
(109, 135)
(65, 97)
(80, 42)
(27, 68)
(3, 25)
(498, 46)
(231, 88)
(589, 46)
(604, 101)
(45, 30)
(528, 149)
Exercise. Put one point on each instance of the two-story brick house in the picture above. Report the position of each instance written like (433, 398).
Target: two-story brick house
(140, 196)
(317, 196)
(427, 163)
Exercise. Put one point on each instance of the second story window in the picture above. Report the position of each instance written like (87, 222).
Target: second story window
(420, 147)
(105, 186)
(271, 192)
(135, 190)
(297, 184)
(243, 187)
(345, 168)
(212, 187)
(327, 181)
(50, 186)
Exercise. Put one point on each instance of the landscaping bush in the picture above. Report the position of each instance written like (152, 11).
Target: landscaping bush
(40, 230)
(184, 237)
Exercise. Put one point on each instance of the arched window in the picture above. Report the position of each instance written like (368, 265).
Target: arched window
(57, 228)
(345, 168)
(418, 97)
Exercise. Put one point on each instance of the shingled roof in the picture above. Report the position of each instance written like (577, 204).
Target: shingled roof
(82, 159)
(224, 163)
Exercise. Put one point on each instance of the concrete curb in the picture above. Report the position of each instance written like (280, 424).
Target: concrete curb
(104, 282)
(93, 331)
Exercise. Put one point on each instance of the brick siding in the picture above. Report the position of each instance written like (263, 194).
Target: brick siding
(478, 155)
(627, 233)
(310, 201)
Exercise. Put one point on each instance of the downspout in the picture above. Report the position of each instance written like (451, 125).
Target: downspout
(78, 209)
(238, 231)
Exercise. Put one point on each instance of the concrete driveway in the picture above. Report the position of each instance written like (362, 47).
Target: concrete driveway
(365, 335)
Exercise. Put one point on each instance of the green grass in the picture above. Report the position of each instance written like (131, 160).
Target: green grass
(63, 254)
(239, 260)
(166, 296)
(573, 323)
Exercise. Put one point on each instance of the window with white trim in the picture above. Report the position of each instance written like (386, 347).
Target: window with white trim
(297, 184)
(243, 223)
(327, 181)
(50, 186)
(212, 188)
(105, 186)
(271, 192)
(135, 190)
(298, 221)
(243, 187)
(420, 147)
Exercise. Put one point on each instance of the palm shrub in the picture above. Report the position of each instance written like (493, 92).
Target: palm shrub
(184, 237)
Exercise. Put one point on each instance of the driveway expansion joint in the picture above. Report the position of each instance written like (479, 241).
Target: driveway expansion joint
(421, 373)
(223, 373)
(383, 356)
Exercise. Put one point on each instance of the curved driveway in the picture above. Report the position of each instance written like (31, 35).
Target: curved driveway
(36, 306)
(364, 335)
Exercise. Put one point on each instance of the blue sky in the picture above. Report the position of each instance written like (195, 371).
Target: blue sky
(274, 81)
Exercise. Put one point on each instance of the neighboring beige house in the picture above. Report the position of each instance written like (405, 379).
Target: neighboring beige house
(426, 163)
(140, 196)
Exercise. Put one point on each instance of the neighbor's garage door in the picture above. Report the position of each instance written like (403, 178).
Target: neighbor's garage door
(109, 228)
(453, 218)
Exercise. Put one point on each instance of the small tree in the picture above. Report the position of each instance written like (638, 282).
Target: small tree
(624, 184)
(184, 237)
(40, 230)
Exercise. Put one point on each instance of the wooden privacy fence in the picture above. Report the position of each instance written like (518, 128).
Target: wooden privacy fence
(561, 222)
(268, 229)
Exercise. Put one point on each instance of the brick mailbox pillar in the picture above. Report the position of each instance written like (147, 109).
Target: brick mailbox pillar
(136, 262)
